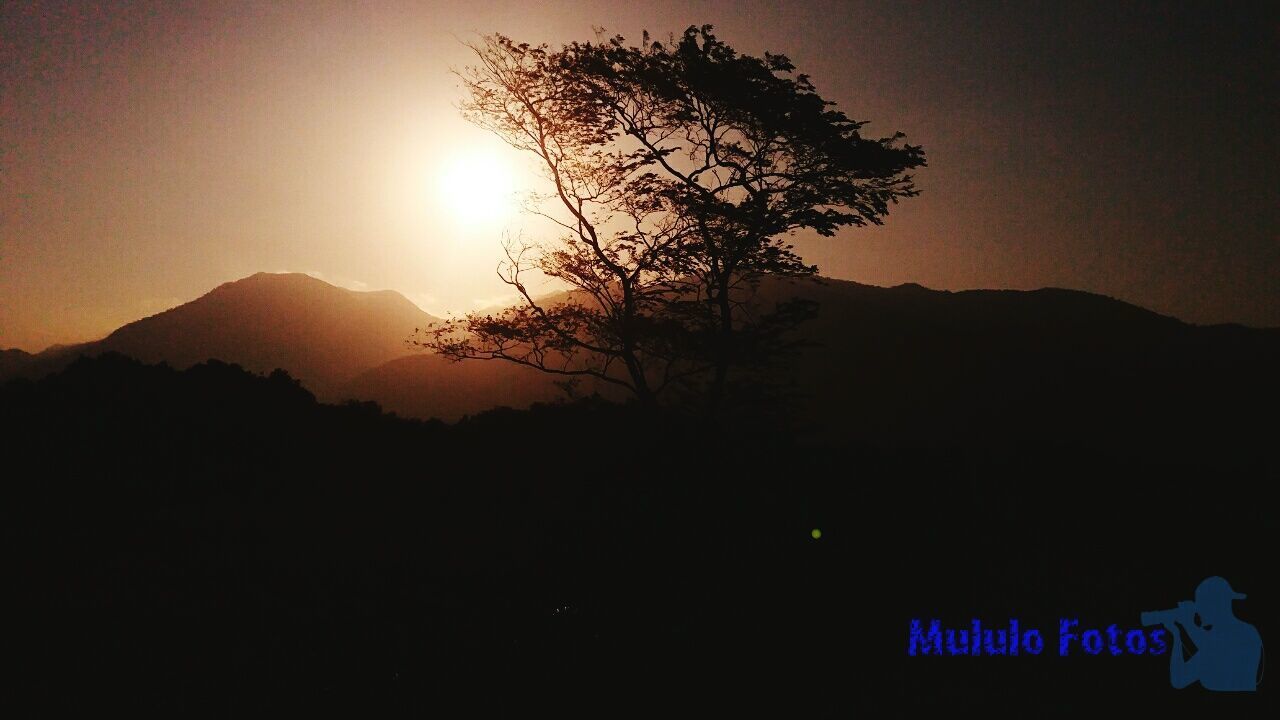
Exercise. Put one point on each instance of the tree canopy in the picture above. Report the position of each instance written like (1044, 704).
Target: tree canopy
(678, 173)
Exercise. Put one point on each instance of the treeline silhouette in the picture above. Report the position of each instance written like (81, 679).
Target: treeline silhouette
(211, 541)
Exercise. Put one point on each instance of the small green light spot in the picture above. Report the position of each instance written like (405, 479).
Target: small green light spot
(815, 533)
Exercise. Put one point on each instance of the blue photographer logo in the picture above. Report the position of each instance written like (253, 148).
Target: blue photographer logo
(1228, 651)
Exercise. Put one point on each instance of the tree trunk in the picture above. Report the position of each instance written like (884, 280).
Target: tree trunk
(724, 346)
(639, 383)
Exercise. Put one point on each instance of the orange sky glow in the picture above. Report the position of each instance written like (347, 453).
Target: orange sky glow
(151, 151)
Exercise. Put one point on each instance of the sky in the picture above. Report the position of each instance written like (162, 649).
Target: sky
(150, 151)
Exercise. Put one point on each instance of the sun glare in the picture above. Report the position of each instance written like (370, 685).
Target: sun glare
(477, 188)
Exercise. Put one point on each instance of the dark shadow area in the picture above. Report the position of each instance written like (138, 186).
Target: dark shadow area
(211, 541)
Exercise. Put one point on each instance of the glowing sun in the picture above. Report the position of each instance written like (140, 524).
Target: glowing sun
(477, 188)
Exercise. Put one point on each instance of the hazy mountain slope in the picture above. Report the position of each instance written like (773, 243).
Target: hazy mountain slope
(322, 334)
(429, 386)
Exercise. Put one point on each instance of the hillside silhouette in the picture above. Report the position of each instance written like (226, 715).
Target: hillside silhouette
(884, 363)
(875, 362)
(208, 537)
(215, 541)
(908, 361)
(12, 361)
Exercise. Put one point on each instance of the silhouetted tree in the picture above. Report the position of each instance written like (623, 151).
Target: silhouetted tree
(682, 168)
(611, 326)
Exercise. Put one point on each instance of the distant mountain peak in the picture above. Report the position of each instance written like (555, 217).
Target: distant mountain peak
(281, 279)
(323, 334)
(285, 282)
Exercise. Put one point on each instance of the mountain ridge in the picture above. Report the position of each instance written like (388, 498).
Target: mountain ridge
(895, 350)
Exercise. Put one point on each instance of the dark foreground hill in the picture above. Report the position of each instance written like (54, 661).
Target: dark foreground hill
(12, 361)
(213, 542)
